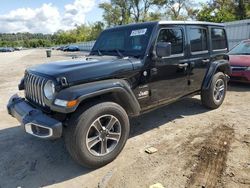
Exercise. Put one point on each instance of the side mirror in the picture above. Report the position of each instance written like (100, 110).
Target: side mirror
(163, 49)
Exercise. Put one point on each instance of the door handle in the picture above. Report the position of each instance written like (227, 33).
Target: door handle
(153, 71)
(182, 65)
(192, 64)
(206, 60)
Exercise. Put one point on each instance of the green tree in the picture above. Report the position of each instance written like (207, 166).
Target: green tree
(178, 9)
(117, 12)
(224, 11)
(79, 34)
(96, 29)
(140, 10)
(242, 9)
(217, 11)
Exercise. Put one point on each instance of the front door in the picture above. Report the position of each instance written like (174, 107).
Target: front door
(168, 76)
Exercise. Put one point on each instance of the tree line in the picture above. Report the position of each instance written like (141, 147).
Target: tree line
(29, 40)
(119, 12)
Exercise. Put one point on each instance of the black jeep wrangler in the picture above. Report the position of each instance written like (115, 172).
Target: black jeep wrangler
(131, 69)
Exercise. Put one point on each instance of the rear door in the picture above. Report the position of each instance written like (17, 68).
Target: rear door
(199, 56)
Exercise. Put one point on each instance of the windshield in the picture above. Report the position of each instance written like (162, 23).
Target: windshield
(123, 41)
(241, 49)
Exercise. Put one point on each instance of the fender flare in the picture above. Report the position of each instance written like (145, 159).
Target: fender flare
(86, 91)
(219, 65)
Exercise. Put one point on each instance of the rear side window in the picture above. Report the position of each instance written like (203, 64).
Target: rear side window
(218, 39)
(175, 37)
(198, 39)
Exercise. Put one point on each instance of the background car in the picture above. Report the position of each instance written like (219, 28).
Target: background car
(60, 48)
(18, 48)
(239, 58)
(6, 49)
(71, 48)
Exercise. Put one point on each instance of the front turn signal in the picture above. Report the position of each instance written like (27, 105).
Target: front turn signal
(71, 104)
(64, 103)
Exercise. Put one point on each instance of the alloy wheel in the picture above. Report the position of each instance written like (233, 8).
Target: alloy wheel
(219, 90)
(103, 135)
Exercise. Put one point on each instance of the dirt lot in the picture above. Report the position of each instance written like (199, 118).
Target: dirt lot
(196, 147)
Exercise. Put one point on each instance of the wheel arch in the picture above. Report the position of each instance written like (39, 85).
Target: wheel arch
(216, 66)
(117, 91)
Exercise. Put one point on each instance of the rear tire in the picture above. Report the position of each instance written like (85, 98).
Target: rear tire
(214, 96)
(95, 137)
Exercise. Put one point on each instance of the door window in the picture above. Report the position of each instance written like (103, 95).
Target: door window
(175, 37)
(198, 39)
(218, 39)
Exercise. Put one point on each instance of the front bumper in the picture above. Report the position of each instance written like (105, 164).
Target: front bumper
(240, 76)
(34, 121)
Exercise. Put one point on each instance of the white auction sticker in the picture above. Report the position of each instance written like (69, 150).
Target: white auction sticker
(138, 32)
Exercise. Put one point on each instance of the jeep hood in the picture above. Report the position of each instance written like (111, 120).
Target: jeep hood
(88, 69)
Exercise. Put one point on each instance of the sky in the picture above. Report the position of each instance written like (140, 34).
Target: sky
(47, 16)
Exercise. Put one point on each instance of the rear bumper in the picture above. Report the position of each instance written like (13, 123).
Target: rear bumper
(34, 121)
(240, 76)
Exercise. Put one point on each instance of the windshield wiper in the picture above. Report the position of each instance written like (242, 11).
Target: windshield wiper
(98, 51)
(118, 51)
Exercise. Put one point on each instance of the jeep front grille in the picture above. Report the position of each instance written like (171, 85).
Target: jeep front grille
(34, 88)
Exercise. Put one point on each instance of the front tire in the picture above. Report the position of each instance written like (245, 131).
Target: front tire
(215, 95)
(97, 135)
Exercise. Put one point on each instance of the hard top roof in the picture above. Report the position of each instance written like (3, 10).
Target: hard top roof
(190, 23)
(170, 23)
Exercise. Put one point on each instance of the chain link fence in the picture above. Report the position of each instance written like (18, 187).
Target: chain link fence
(237, 31)
(85, 46)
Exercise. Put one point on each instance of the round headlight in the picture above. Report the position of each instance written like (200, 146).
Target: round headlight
(49, 89)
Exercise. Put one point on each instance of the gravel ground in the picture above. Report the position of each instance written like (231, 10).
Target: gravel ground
(196, 147)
